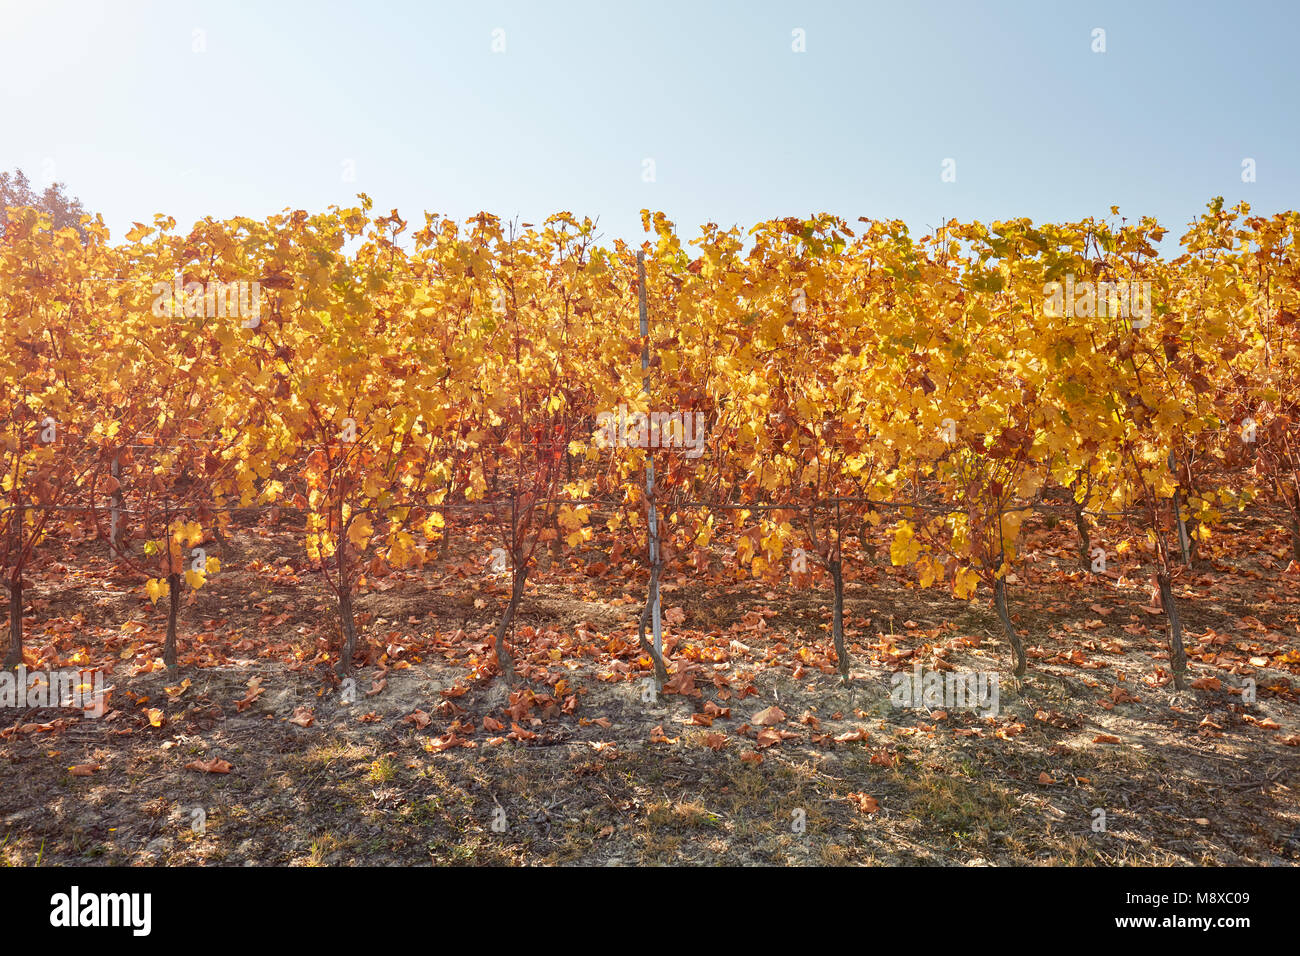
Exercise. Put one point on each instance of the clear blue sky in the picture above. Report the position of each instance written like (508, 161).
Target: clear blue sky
(112, 98)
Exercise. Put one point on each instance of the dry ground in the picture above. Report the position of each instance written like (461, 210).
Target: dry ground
(435, 761)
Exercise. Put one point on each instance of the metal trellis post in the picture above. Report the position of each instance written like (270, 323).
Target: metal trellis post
(649, 460)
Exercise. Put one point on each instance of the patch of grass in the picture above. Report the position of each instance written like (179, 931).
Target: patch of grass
(423, 812)
(326, 847)
(332, 751)
(955, 804)
(382, 770)
(688, 815)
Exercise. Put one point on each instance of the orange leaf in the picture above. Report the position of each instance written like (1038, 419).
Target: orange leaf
(215, 765)
(713, 710)
(657, 736)
(864, 802)
(518, 733)
(858, 734)
(683, 682)
(438, 744)
(420, 719)
(769, 717)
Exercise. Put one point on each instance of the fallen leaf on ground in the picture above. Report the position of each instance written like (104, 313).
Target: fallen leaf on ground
(864, 802)
(858, 734)
(657, 736)
(215, 765)
(769, 717)
(418, 718)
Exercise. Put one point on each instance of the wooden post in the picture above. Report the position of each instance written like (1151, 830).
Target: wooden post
(14, 653)
(649, 465)
(17, 516)
(1184, 542)
(115, 520)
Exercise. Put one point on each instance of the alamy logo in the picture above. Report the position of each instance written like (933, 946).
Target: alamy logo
(956, 690)
(652, 430)
(1122, 299)
(75, 909)
(68, 687)
(215, 300)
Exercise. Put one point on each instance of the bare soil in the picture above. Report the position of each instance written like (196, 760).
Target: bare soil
(429, 758)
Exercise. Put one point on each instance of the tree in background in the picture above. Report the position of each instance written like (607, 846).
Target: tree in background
(64, 210)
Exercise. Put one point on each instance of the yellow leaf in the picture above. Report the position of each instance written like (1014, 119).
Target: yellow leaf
(359, 532)
(156, 587)
(904, 548)
(965, 583)
(928, 570)
(433, 523)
